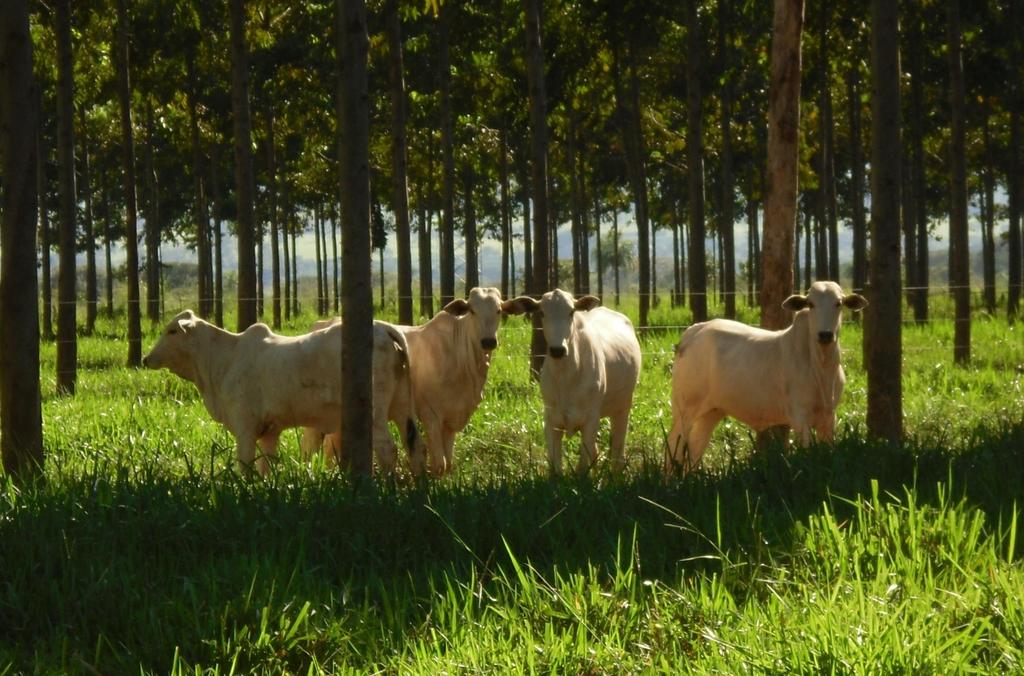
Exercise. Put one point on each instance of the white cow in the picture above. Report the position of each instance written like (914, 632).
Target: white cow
(449, 357)
(392, 400)
(590, 372)
(256, 383)
(762, 378)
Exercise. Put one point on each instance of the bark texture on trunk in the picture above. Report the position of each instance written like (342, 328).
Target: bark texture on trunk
(244, 181)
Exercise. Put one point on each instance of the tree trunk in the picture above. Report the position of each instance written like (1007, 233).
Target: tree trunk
(506, 213)
(400, 190)
(629, 113)
(205, 257)
(524, 187)
(244, 182)
(830, 222)
(751, 247)
(296, 308)
(426, 265)
(695, 168)
(857, 182)
(988, 219)
(469, 231)
(285, 226)
(883, 343)
(152, 214)
(357, 295)
(44, 227)
(320, 281)
(960, 269)
(334, 270)
(275, 243)
(218, 279)
(21, 425)
(597, 244)
(539, 172)
(128, 169)
(1013, 177)
(259, 270)
(727, 224)
(447, 233)
(616, 258)
(584, 228)
(108, 282)
(783, 141)
(91, 286)
(574, 202)
(67, 338)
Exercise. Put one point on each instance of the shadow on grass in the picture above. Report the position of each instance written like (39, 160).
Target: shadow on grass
(128, 567)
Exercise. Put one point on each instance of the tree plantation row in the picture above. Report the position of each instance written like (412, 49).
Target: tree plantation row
(140, 124)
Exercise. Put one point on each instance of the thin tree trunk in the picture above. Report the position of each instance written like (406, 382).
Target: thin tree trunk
(630, 115)
(1013, 177)
(783, 141)
(539, 172)
(91, 285)
(469, 231)
(883, 351)
(244, 182)
(296, 308)
(320, 281)
(695, 160)
(988, 219)
(524, 187)
(67, 313)
(259, 270)
(616, 259)
(751, 247)
(447, 243)
(960, 255)
(400, 190)
(675, 256)
(218, 279)
(152, 233)
(275, 243)
(909, 219)
(21, 426)
(42, 152)
(128, 173)
(506, 214)
(334, 271)
(584, 228)
(357, 295)
(829, 219)
(727, 223)
(426, 266)
(597, 244)
(205, 266)
(285, 226)
(108, 282)
(857, 182)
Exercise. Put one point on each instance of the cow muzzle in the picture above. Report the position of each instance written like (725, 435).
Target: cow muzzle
(826, 337)
(488, 343)
(557, 351)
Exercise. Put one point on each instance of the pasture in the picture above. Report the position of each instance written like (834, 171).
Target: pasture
(145, 549)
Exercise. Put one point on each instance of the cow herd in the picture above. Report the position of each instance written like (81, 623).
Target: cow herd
(432, 378)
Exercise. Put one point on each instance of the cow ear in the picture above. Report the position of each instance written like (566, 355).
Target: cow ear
(855, 302)
(457, 307)
(795, 303)
(587, 303)
(520, 305)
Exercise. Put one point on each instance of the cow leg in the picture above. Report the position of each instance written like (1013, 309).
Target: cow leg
(449, 449)
(245, 451)
(312, 439)
(384, 445)
(435, 443)
(588, 446)
(553, 435)
(617, 444)
(699, 437)
(676, 446)
(268, 448)
(826, 428)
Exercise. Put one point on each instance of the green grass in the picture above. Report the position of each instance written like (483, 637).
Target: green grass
(145, 550)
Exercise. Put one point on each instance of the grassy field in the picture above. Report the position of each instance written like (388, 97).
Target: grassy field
(145, 550)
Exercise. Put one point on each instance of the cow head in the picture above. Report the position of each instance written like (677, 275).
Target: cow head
(174, 349)
(558, 309)
(483, 309)
(824, 302)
